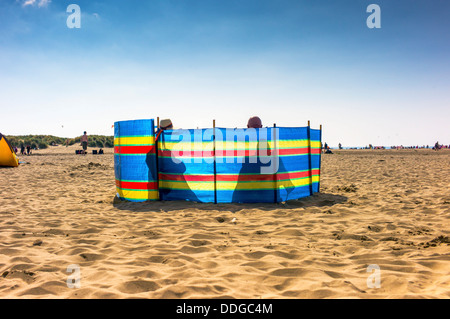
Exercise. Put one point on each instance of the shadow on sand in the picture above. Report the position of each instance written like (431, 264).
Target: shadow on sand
(317, 200)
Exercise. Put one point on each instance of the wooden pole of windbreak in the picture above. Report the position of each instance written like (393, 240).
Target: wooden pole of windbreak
(119, 150)
(320, 158)
(157, 156)
(309, 158)
(275, 179)
(215, 168)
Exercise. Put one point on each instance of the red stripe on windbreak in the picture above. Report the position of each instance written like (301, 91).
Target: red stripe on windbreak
(293, 151)
(244, 178)
(137, 185)
(298, 151)
(283, 151)
(144, 149)
(283, 176)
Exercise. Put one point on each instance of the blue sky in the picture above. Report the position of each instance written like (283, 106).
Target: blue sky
(198, 60)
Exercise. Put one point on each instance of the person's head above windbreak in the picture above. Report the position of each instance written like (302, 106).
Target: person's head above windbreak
(254, 122)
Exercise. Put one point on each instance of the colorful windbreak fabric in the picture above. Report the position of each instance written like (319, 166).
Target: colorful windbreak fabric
(186, 168)
(316, 156)
(220, 165)
(135, 160)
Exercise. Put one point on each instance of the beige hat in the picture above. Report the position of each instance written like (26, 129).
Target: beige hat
(166, 124)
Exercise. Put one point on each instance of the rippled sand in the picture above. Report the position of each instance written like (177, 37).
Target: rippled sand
(384, 208)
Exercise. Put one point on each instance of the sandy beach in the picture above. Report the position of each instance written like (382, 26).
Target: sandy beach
(389, 208)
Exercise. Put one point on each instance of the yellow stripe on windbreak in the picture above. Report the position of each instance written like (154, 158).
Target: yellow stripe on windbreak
(185, 146)
(316, 144)
(245, 185)
(184, 185)
(206, 146)
(134, 140)
(138, 195)
(295, 144)
(231, 186)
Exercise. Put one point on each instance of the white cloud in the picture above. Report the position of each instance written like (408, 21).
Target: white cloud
(39, 3)
(29, 3)
(44, 3)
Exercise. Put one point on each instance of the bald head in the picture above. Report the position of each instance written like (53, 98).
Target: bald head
(254, 122)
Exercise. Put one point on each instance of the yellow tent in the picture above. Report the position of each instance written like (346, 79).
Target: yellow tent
(7, 155)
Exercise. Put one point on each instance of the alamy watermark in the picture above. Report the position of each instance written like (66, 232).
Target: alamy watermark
(74, 280)
(374, 279)
(373, 20)
(258, 147)
(74, 19)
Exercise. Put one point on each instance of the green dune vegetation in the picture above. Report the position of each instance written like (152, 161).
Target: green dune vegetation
(44, 141)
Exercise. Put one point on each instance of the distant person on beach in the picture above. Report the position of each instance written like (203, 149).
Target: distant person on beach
(328, 149)
(254, 122)
(28, 149)
(22, 149)
(436, 146)
(84, 142)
